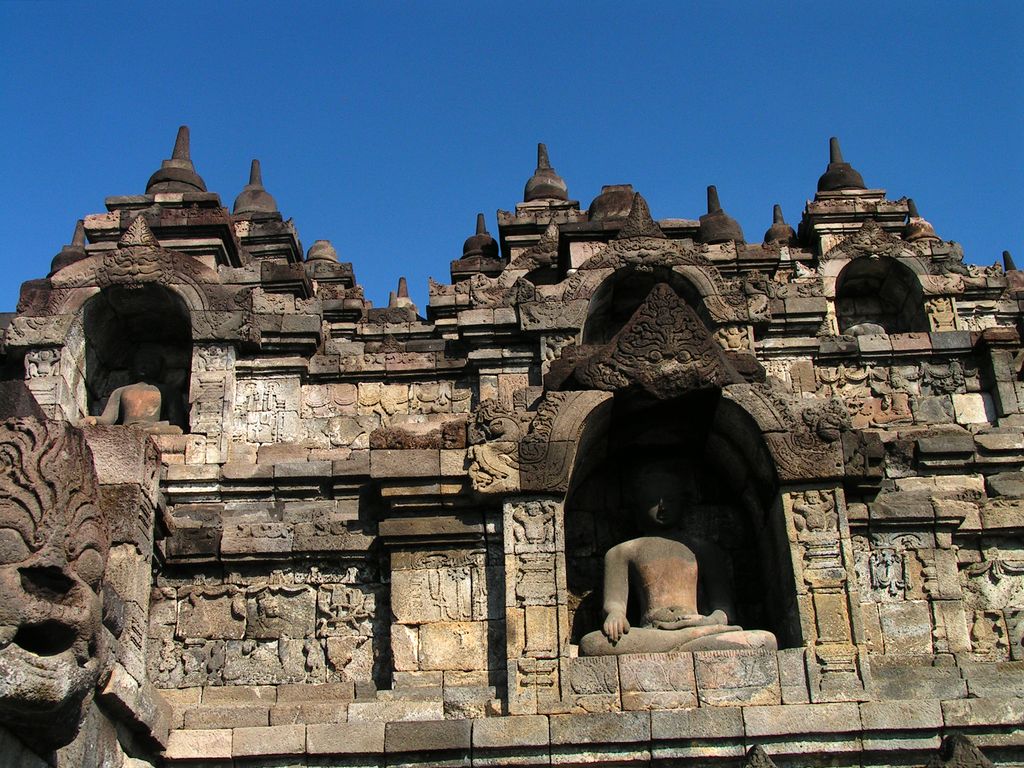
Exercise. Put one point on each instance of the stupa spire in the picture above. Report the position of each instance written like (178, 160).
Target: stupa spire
(177, 174)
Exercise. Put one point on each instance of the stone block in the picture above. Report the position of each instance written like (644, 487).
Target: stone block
(513, 731)
(123, 456)
(994, 679)
(906, 627)
(237, 470)
(789, 719)
(602, 728)
(211, 613)
(657, 681)
(972, 713)
(405, 647)
(292, 692)
(701, 734)
(408, 463)
(793, 676)
(345, 739)
(891, 681)
(589, 675)
(309, 712)
(426, 736)
(199, 745)
(358, 463)
(704, 723)
(901, 715)
(950, 443)
(910, 342)
(453, 645)
(950, 341)
(237, 716)
(1009, 484)
(737, 678)
(932, 409)
(215, 695)
(292, 469)
(270, 741)
(874, 344)
(393, 711)
(976, 408)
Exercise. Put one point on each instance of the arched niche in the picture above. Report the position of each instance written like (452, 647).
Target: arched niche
(121, 322)
(880, 291)
(617, 298)
(733, 502)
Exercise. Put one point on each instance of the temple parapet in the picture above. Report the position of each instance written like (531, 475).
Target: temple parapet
(626, 490)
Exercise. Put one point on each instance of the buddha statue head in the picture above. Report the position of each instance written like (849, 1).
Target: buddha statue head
(658, 491)
(54, 542)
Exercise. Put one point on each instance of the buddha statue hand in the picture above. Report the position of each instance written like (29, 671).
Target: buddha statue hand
(615, 626)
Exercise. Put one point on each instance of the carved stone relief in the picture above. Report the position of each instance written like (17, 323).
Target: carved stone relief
(54, 541)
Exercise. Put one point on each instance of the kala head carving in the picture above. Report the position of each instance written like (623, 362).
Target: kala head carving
(54, 541)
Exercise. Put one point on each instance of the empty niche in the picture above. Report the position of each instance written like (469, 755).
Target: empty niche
(879, 295)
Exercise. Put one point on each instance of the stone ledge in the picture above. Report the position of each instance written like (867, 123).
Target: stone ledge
(704, 723)
(963, 713)
(604, 728)
(427, 736)
(269, 741)
(803, 719)
(199, 745)
(901, 715)
(697, 733)
(345, 738)
(512, 731)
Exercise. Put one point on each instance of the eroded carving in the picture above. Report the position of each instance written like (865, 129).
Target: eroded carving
(54, 540)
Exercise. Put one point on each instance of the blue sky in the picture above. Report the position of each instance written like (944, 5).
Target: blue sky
(385, 127)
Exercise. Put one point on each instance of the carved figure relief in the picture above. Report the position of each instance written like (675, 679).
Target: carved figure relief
(40, 363)
(887, 572)
(941, 313)
(266, 410)
(814, 511)
(54, 540)
(533, 524)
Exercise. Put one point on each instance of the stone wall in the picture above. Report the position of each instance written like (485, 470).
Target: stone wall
(381, 534)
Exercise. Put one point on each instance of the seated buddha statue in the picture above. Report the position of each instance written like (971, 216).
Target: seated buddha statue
(141, 403)
(666, 571)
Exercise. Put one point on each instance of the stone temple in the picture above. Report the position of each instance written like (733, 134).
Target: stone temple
(626, 492)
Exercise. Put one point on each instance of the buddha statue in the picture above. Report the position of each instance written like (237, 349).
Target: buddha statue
(141, 403)
(667, 572)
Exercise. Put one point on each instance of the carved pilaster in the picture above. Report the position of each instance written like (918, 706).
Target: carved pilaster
(535, 599)
(823, 563)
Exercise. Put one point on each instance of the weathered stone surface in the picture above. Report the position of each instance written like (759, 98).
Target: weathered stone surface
(393, 711)
(237, 716)
(199, 745)
(657, 681)
(345, 739)
(504, 732)
(797, 719)
(453, 645)
(625, 727)
(427, 736)
(737, 678)
(268, 741)
(925, 682)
